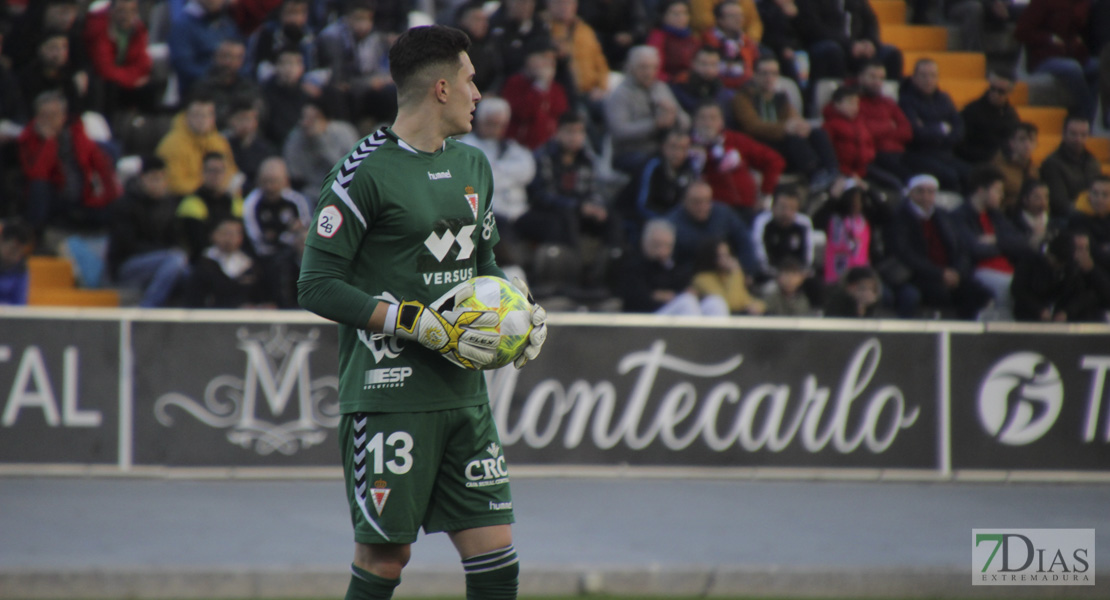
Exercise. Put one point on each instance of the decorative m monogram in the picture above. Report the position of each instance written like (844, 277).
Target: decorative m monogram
(278, 367)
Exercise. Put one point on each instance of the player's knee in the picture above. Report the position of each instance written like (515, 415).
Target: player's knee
(493, 575)
(383, 560)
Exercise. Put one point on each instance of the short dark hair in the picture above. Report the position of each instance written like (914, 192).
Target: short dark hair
(152, 162)
(421, 49)
(983, 177)
(15, 230)
(213, 156)
(353, 5)
(718, 10)
(1076, 117)
(788, 190)
(790, 264)
(1028, 186)
(707, 49)
(571, 117)
(858, 274)
(1029, 128)
(1100, 178)
(844, 91)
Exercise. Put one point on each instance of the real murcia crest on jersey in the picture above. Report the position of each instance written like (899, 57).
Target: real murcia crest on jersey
(472, 200)
(379, 494)
(329, 222)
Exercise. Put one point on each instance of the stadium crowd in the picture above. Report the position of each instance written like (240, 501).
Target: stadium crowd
(657, 156)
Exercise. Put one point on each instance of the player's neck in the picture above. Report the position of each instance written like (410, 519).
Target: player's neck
(419, 129)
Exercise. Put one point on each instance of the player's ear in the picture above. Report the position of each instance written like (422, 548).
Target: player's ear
(442, 88)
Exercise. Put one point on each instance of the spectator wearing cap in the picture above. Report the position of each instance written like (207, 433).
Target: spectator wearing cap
(144, 244)
(537, 100)
(922, 236)
(314, 146)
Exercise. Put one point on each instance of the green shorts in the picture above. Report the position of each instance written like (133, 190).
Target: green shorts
(440, 470)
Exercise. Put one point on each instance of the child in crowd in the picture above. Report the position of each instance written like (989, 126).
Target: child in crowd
(15, 247)
(787, 299)
(858, 296)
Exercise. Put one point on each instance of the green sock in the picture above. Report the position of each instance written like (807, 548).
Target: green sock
(368, 586)
(492, 576)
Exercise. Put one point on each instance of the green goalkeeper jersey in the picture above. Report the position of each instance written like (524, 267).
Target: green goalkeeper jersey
(411, 225)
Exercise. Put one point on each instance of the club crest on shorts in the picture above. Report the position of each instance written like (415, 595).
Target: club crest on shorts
(379, 494)
(472, 200)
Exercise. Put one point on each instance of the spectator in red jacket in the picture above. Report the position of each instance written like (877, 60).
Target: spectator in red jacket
(536, 99)
(855, 149)
(116, 40)
(884, 119)
(674, 40)
(725, 159)
(70, 181)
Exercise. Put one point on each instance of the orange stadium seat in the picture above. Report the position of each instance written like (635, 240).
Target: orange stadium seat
(52, 283)
(953, 65)
(1046, 144)
(1100, 147)
(890, 11)
(1048, 119)
(909, 38)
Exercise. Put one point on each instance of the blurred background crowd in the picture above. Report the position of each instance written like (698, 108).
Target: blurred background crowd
(853, 158)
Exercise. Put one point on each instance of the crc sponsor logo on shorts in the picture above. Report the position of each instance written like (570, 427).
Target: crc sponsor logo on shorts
(1032, 556)
(391, 377)
(482, 472)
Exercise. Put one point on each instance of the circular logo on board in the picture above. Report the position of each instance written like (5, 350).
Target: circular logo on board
(1020, 398)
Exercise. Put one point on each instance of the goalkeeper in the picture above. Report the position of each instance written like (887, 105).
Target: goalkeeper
(402, 220)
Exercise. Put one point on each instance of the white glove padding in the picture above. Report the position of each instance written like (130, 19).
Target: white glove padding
(448, 330)
(539, 327)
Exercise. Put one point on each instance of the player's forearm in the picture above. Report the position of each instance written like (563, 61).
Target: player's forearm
(322, 289)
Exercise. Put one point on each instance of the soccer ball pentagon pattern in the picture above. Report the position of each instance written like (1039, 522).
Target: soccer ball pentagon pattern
(514, 312)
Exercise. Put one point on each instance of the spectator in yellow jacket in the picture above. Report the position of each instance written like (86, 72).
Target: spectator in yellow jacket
(192, 136)
(576, 42)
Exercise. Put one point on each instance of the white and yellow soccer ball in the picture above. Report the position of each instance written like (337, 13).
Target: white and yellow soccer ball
(514, 316)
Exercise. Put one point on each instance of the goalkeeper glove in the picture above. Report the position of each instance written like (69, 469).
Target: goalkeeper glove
(446, 329)
(539, 326)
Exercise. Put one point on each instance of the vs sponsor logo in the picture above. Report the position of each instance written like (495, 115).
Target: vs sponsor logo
(276, 406)
(1032, 557)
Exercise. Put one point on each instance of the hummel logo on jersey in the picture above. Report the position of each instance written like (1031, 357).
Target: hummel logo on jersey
(440, 246)
(347, 170)
(441, 175)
